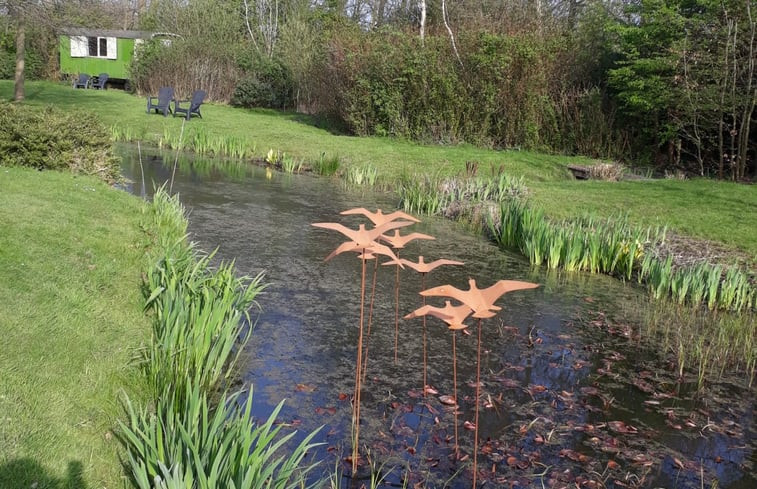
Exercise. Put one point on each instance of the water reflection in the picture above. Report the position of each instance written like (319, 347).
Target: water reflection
(574, 394)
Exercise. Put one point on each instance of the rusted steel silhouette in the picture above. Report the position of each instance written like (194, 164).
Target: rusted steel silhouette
(454, 317)
(424, 268)
(481, 301)
(378, 218)
(398, 242)
(364, 242)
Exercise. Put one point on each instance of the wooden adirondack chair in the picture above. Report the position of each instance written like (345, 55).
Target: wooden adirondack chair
(194, 105)
(161, 103)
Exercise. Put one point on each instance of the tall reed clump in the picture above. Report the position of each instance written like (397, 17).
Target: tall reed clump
(708, 344)
(361, 175)
(433, 194)
(699, 284)
(326, 165)
(611, 246)
(196, 434)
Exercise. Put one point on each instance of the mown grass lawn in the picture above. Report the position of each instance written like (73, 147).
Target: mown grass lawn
(717, 211)
(71, 321)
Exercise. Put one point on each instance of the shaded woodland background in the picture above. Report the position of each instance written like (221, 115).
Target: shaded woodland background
(664, 84)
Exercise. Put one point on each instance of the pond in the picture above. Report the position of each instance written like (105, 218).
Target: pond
(571, 396)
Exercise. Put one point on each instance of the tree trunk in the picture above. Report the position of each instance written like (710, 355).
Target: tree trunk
(423, 21)
(20, 53)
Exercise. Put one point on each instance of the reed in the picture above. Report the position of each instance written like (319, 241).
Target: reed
(289, 164)
(201, 318)
(615, 247)
(424, 194)
(705, 344)
(361, 175)
(200, 325)
(186, 442)
(326, 166)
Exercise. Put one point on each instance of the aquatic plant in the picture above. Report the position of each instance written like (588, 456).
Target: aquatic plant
(198, 319)
(289, 164)
(186, 442)
(187, 437)
(326, 166)
(361, 175)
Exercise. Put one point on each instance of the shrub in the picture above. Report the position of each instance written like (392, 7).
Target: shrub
(266, 83)
(51, 139)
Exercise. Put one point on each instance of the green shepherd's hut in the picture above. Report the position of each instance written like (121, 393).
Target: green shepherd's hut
(95, 51)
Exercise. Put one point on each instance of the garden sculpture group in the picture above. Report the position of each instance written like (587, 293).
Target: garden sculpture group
(474, 302)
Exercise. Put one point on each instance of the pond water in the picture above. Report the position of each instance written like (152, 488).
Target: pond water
(571, 396)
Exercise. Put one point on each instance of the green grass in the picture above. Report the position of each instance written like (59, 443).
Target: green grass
(720, 211)
(717, 211)
(71, 253)
(293, 134)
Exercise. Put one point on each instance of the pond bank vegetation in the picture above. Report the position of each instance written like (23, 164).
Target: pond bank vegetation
(195, 431)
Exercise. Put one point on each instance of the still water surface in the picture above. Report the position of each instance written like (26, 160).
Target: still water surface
(571, 396)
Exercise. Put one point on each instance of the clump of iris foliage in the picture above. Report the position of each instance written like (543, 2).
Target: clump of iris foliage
(51, 139)
(612, 246)
(195, 433)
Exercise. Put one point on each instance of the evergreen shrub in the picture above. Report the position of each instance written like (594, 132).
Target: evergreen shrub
(49, 138)
(266, 83)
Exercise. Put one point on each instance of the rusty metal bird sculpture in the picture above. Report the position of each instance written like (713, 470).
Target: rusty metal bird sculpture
(480, 300)
(378, 218)
(482, 303)
(363, 237)
(454, 317)
(424, 268)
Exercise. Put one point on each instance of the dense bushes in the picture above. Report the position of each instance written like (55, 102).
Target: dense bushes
(187, 65)
(51, 139)
(505, 91)
(266, 83)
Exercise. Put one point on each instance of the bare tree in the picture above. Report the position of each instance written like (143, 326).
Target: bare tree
(449, 30)
(422, 4)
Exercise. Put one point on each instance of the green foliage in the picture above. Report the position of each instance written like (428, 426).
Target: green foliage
(326, 165)
(192, 436)
(361, 175)
(198, 312)
(209, 447)
(52, 139)
(265, 82)
(611, 246)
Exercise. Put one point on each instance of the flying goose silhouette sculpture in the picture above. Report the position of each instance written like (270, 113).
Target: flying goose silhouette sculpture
(378, 218)
(424, 268)
(398, 242)
(482, 303)
(454, 317)
(480, 300)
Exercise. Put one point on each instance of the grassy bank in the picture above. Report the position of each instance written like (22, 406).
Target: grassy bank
(71, 253)
(722, 212)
